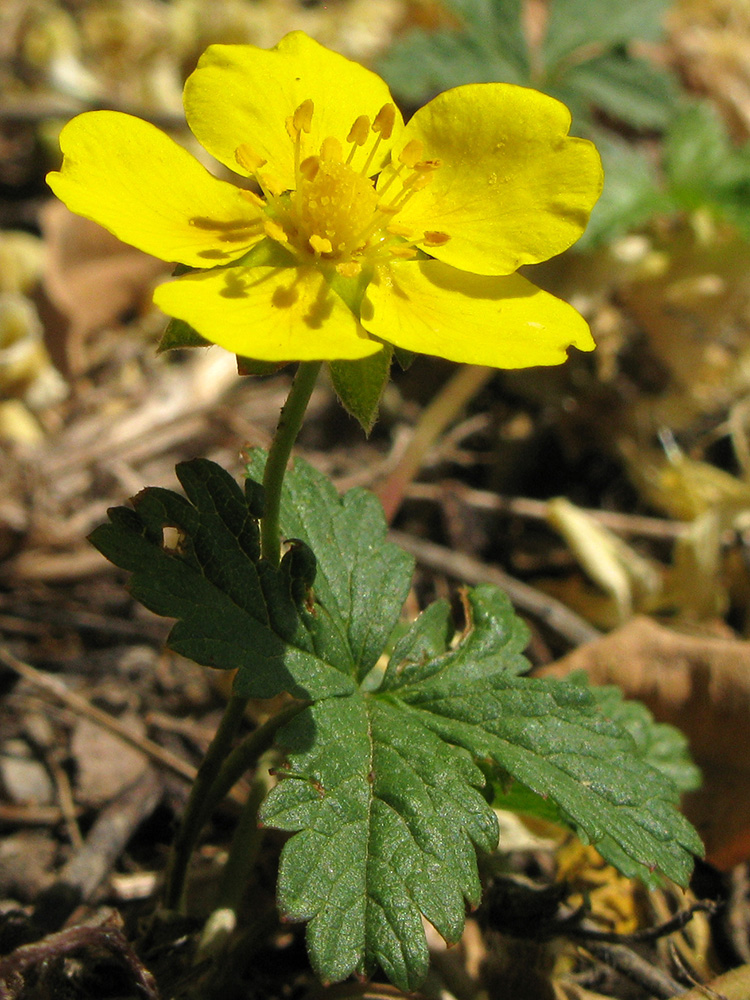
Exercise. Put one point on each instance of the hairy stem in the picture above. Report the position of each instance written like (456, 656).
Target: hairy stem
(288, 427)
(210, 782)
(197, 808)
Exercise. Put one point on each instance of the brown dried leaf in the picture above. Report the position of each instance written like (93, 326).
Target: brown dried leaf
(91, 277)
(702, 686)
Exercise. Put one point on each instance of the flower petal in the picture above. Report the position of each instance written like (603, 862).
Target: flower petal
(240, 94)
(135, 181)
(501, 321)
(268, 313)
(513, 188)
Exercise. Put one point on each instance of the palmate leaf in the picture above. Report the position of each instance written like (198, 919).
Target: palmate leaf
(383, 774)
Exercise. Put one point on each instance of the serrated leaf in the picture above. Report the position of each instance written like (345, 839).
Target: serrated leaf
(390, 817)
(491, 47)
(662, 746)
(631, 90)
(362, 581)
(576, 23)
(359, 385)
(236, 611)
(382, 790)
(552, 738)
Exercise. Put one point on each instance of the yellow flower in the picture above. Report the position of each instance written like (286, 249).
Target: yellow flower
(346, 228)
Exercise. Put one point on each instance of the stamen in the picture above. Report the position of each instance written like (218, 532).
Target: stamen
(252, 197)
(330, 149)
(359, 131)
(248, 158)
(411, 154)
(275, 231)
(384, 121)
(383, 129)
(358, 134)
(302, 117)
(320, 244)
(435, 239)
(404, 252)
(349, 268)
(310, 167)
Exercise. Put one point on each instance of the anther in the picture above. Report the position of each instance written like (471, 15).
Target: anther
(249, 159)
(384, 121)
(359, 131)
(252, 197)
(320, 244)
(302, 117)
(424, 166)
(411, 154)
(403, 252)
(434, 239)
(275, 231)
(349, 268)
(310, 167)
(330, 149)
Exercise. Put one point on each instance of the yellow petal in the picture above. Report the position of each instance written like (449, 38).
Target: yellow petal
(512, 188)
(139, 184)
(268, 313)
(243, 94)
(501, 321)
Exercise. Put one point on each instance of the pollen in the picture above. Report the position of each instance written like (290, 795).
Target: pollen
(334, 214)
(384, 121)
(330, 149)
(434, 239)
(359, 131)
(320, 244)
(411, 154)
(246, 156)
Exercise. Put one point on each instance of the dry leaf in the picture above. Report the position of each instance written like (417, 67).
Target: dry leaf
(702, 686)
(91, 277)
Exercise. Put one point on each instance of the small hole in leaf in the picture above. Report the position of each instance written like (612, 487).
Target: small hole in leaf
(171, 539)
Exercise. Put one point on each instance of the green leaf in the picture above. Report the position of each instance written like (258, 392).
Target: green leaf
(491, 47)
(631, 90)
(382, 782)
(362, 581)
(574, 24)
(631, 195)
(382, 790)
(662, 746)
(236, 611)
(390, 816)
(553, 738)
(180, 334)
(360, 384)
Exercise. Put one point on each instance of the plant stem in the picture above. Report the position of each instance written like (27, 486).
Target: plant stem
(210, 785)
(246, 755)
(288, 427)
(196, 810)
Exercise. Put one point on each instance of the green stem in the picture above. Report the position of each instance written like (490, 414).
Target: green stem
(210, 783)
(290, 422)
(245, 756)
(196, 810)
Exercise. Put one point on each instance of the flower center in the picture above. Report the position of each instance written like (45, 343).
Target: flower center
(334, 213)
(334, 206)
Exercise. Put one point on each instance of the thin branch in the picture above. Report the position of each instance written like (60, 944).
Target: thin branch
(553, 613)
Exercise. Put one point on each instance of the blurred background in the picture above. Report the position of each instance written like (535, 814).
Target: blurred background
(613, 491)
